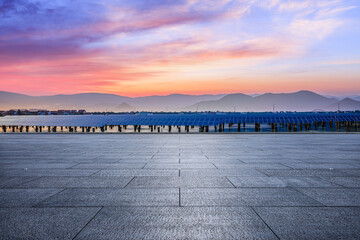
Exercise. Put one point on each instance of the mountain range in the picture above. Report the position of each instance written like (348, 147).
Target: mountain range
(297, 101)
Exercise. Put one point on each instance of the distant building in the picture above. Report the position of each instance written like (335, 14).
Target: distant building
(42, 112)
(11, 112)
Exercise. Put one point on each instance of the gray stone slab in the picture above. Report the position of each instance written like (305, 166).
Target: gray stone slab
(164, 161)
(96, 160)
(180, 166)
(78, 182)
(24, 197)
(333, 196)
(225, 161)
(166, 158)
(38, 166)
(134, 161)
(221, 172)
(195, 161)
(43, 223)
(245, 197)
(321, 223)
(246, 159)
(139, 172)
(304, 172)
(352, 172)
(114, 197)
(320, 165)
(179, 182)
(251, 165)
(9, 182)
(176, 223)
(108, 166)
(352, 182)
(280, 182)
(47, 172)
(289, 159)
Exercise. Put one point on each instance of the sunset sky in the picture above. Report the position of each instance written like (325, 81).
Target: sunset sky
(147, 47)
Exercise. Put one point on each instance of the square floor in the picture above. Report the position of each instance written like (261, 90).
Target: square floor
(179, 186)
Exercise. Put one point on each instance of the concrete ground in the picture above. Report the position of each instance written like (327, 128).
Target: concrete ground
(199, 186)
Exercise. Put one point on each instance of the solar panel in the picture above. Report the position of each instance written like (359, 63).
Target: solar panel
(183, 119)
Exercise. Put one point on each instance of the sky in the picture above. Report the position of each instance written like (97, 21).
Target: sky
(153, 47)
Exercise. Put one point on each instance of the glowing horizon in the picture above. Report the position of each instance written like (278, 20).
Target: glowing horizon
(160, 47)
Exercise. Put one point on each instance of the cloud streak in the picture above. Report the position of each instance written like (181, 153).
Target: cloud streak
(78, 45)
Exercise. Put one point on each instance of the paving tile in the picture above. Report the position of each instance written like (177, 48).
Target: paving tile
(251, 165)
(164, 161)
(180, 166)
(24, 197)
(179, 182)
(43, 223)
(352, 182)
(244, 197)
(176, 223)
(195, 161)
(9, 182)
(320, 165)
(78, 182)
(26, 166)
(47, 172)
(321, 223)
(333, 196)
(221, 172)
(139, 172)
(108, 166)
(114, 197)
(280, 182)
(352, 172)
(304, 172)
(92, 170)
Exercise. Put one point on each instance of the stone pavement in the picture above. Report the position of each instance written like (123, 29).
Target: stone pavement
(170, 186)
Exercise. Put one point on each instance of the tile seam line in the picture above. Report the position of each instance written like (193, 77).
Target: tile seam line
(215, 165)
(329, 181)
(71, 167)
(263, 173)
(18, 185)
(129, 182)
(88, 222)
(308, 196)
(230, 182)
(95, 172)
(265, 223)
(49, 197)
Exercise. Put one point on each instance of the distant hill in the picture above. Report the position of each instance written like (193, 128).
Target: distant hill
(357, 98)
(124, 107)
(301, 101)
(346, 104)
(297, 101)
(231, 102)
(88, 101)
(172, 102)
(100, 102)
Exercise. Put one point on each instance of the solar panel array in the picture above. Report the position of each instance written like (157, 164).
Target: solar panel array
(176, 119)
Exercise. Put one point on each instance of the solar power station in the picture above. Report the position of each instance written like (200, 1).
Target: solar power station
(185, 122)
